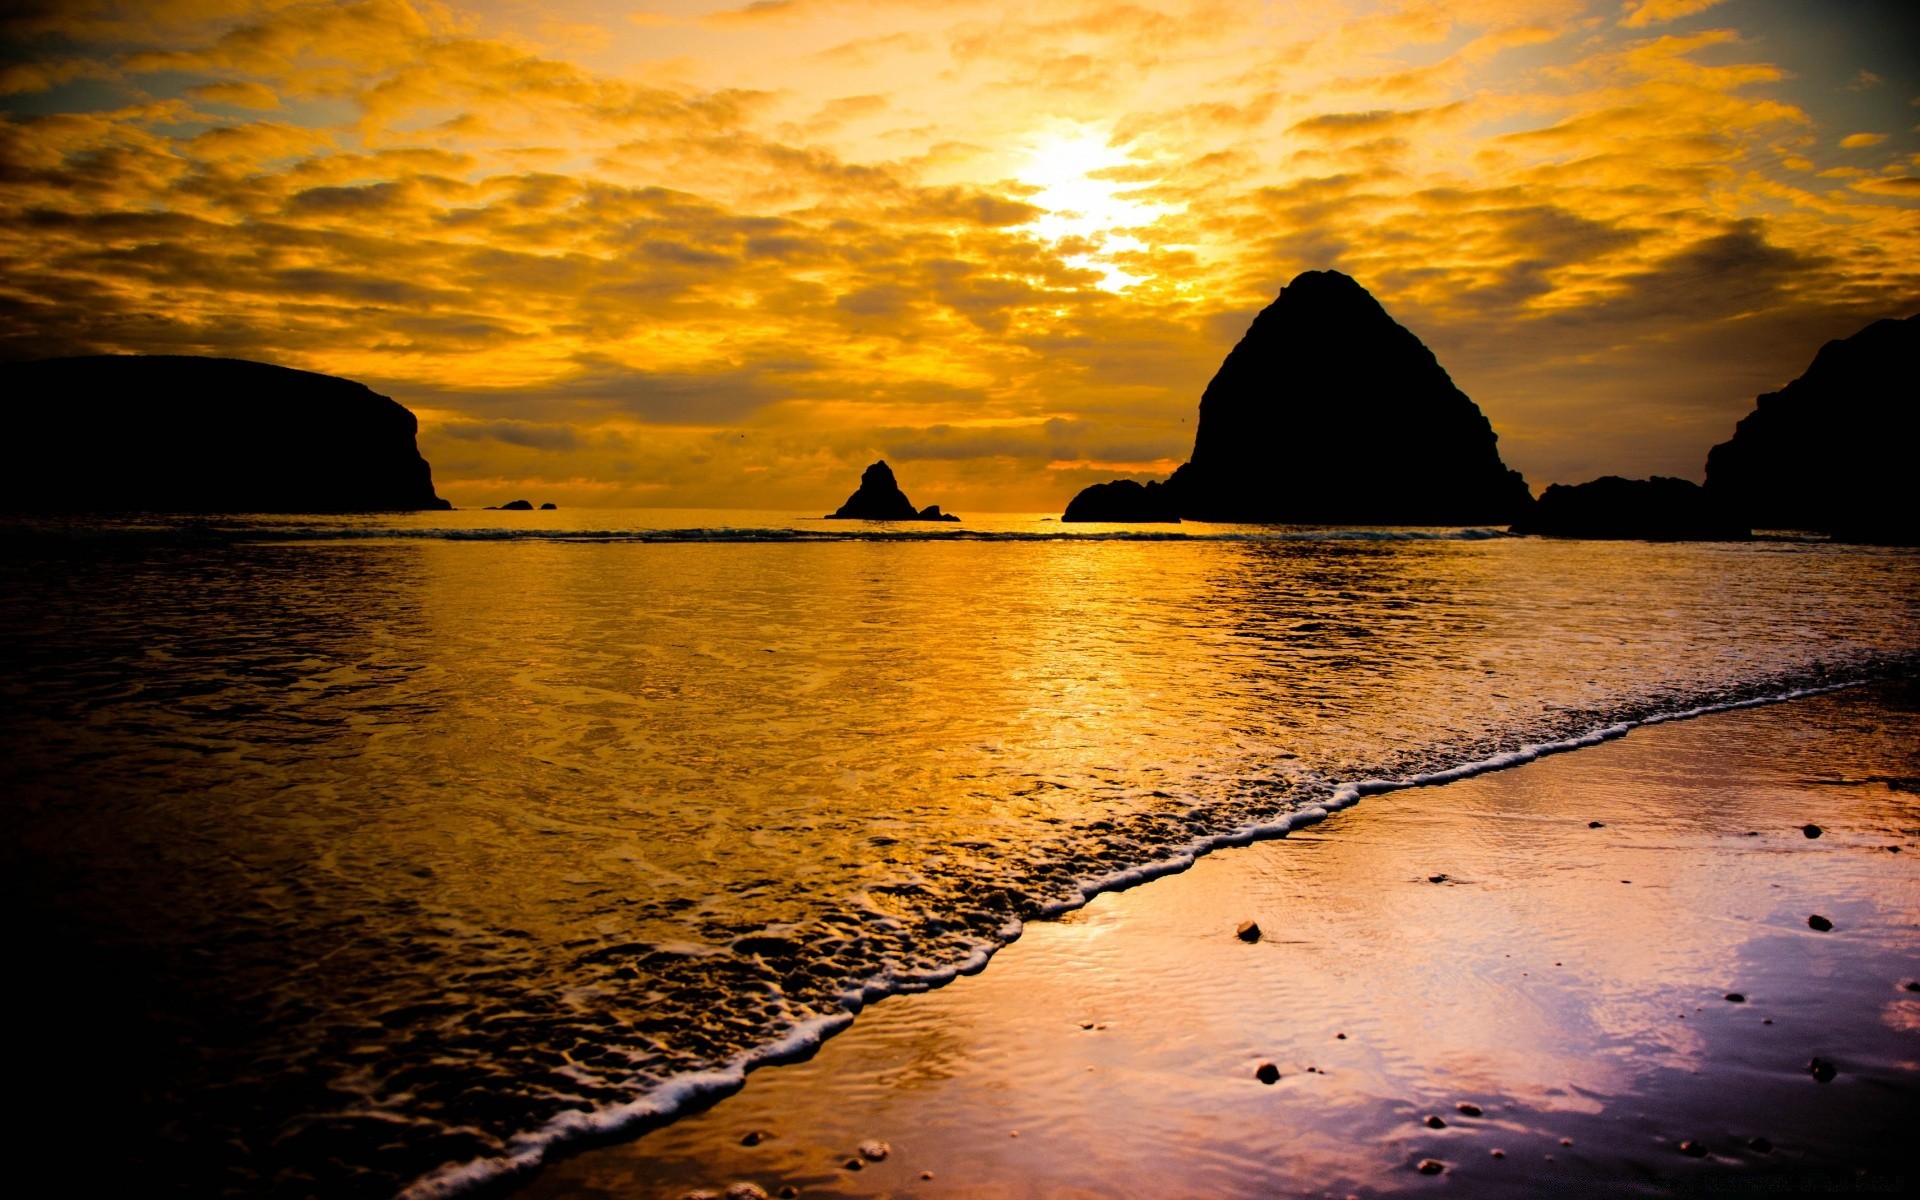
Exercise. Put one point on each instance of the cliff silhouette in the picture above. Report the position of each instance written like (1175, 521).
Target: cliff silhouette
(176, 433)
(879, 498)
(1658, 509)
(1329, 412)
(1833, 450)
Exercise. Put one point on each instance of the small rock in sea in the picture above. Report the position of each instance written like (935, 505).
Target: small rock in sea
(875, 1151)
(1086, 1024)
(1693, 1149)
(1430, 1166)
(1435, 1123)
(1753, 833)
(549, 506)
(1761, 1145)
(926, 1174)
(1268, 1073)
(1821, 1070)
(1566, 1141)
(754, 1137)
(1497, 1153)
(788, 1191)
(1812, 831)
(1895, 849)
(1596, 824)
(1736, 998)
(746, 1191)
(1818, 923)
(1013, 1133)
(1912, 987)
(854, 1164)
(1248, 931)
(1467, 1110)
(1436, 879)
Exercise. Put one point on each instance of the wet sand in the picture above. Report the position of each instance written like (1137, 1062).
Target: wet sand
(1573, 982)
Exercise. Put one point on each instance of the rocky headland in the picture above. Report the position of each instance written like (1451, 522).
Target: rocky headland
(1832, 451)
(176, 433)
(1329, 412)
(879, 498)
(1658, 509)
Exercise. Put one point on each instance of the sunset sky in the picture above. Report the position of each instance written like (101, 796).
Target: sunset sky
(691, 254)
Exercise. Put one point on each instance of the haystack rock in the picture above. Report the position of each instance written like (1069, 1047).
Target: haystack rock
(1657, 509)
(879, 498)
(1329, 412)
(1833, 450)
(175, 433)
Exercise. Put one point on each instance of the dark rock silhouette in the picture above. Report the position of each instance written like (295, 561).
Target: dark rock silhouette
(879, 498)
(1330, 412)
(174, 433)
(512, 506)
(1833, 450)
(1657, 509)
(549, 506)
(1122, 500)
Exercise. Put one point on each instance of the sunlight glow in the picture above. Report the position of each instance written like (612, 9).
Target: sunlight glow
(1064, 164)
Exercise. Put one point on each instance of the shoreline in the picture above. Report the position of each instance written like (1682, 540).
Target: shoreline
(697, 1091)
(563, 1170)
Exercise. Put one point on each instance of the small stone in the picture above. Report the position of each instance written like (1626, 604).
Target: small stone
(1818, 923)
(1693, 1149)
(701, 1194)
(1736, 998)
(788, 1191)
(1086, 1024)
(1430, 1166)
(1753, 833)
(1912, 987)
(1596, 824)
(1766, 1021)
(1467, 1110)
(1267, 1073)
(1436, 879)
(746, 1191)
(1822, 1070)
(1894, 849)
(1435, 1123)
(1013, 1133)
(854, 1164)
(1566, 1141)
(1497, 1153)
(1248, 931)
(1812, 831)
(875, 1151)
(1761, 1145)
(754, 1137)
(926, 1174)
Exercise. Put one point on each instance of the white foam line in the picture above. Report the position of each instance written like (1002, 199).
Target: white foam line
(527, 1151)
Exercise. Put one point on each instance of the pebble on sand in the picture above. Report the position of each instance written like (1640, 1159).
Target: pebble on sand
(926, 1174)
(1812, 831)
(1435, 1123)
(1819, 923)
(1913, 986)
(788, 1191)
(1821, 1070)
(1761, 1145)
(1596, 824)
(1497, 1153)
(1267, 1073)
(1430, 1166)
(1467, 1110)
(875, 1151)
(854, 1164)
(1693, 1149)
(1436, 879)
(1249, 931)
(1736, 998)
(746, 1191)
(754, 1137)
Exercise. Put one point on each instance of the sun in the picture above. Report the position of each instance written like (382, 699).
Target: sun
(1066, 163)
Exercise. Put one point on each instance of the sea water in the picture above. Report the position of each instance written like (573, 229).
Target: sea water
(398, 850)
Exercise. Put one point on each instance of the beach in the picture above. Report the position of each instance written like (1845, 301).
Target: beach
(1606, 952)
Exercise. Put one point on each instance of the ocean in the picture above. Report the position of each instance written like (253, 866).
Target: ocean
(367, 856)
